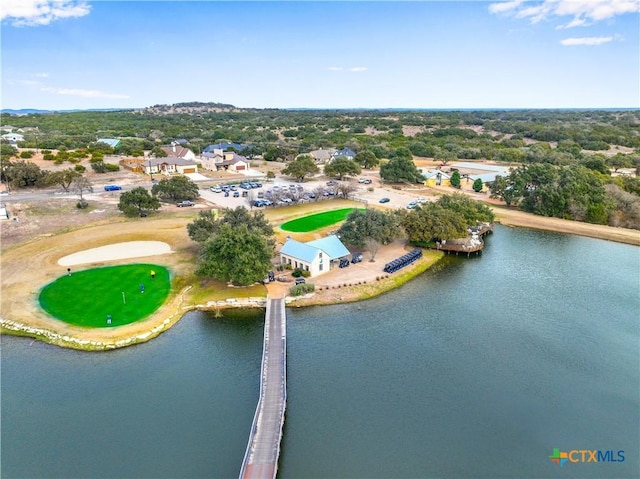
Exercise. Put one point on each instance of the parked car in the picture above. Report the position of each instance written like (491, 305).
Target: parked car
(300, 280)
(356, 258)
(185, 203)
(236, 194)
(332, 183)
(412, 205)
(112, 188)
(216, 189)
(245, 194)
(226, 193)
(344, 262)
(384, 200)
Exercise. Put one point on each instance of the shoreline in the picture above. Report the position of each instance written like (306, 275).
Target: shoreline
(26, 267)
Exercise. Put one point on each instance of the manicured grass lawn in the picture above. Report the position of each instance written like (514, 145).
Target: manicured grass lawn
(316, 221)
(86, 297)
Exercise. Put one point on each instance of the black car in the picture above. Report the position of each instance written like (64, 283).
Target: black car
(344, 262)
(300, 280)
(185, 203)
(384, 200)
(356, 258)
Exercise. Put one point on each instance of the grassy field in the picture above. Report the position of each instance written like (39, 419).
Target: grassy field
(87, 298)
(316, 221)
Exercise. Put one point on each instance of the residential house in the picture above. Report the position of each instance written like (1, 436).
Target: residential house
(112, 142)
(224, 161)
(316, 256)
(473, 171)
(178, 151)
(170, 165)
(344, 153)
(321, 155)
(13, 138)
(437, 178)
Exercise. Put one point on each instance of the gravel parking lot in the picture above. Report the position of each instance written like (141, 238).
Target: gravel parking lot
(398, 199)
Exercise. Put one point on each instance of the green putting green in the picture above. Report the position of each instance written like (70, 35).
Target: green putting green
(316, 221)
(107, 297)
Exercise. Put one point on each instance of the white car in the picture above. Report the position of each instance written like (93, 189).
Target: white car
(216, 189)
(412, 205)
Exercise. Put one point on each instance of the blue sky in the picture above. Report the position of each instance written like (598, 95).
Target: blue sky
(68, 54)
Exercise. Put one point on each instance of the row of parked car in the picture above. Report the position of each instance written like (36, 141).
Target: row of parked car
(355, 258)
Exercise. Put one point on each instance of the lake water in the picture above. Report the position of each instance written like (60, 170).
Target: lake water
(478, 368)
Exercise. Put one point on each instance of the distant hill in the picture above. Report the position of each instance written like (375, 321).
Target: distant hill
(189, 108)
(24, 111)
(33, 111)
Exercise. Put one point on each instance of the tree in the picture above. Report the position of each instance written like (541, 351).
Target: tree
(367, 159)
(432, 222)
(270, 175)
(206, 226)
(176, 188)
(23, 174)
(455, 179)
(300, 167)
(478, 185)
(80, 185)
(102, 167)
(7, 151)
(345, 189)
(202, 227)
(370, 224)
(241, 255)
(472, 211)
(158, 152)
(342, 166)
(137, 201)
(400, 168)
(63, 178)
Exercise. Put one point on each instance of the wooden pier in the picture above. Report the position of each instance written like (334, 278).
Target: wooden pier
(471, 244)
(261, 458)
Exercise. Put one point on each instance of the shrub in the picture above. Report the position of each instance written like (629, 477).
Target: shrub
(300, 289)
(81, 204)
(80, 168)
(296, 273)
(288, 266)
(26, 154)
(306, 274)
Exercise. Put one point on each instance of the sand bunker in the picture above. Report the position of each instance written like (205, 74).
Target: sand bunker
(130, 249)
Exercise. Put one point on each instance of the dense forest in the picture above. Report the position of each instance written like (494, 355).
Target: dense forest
(575, 146)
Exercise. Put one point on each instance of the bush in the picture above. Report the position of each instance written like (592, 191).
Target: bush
(80, 168)
(26, 154)
(81, 204)
(296, 273)
(306, 274)
(300, 289)
(288, 266)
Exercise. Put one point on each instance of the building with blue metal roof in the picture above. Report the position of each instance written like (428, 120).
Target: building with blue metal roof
(315, 256)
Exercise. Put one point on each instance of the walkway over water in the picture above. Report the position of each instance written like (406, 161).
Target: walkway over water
(261, 457)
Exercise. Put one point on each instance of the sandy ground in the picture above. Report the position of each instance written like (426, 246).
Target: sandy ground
(118, 251)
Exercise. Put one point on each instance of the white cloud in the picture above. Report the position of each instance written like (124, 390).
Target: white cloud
(358, 69)
(335, 69)
(585, 41)
(583, 12)
(85, 93)
(41, 12)
(41, 75)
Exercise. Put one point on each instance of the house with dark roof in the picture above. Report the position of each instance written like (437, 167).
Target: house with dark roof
(316, 256)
